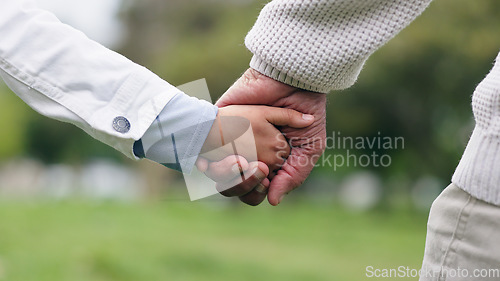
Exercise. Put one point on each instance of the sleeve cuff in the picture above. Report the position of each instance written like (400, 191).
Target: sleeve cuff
(178, 133)
(278, 75)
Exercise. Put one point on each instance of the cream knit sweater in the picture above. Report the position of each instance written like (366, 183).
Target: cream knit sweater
(321, 45)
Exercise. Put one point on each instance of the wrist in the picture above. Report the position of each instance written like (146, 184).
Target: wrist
(177, 134)
(215, 137)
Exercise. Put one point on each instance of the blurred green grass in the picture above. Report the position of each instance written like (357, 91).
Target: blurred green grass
(175, 240)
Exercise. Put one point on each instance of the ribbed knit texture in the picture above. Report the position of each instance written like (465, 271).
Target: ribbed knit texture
(321, 45)
(479, 170)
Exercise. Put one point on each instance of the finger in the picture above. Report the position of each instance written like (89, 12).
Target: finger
(292, 174)
(227, 169)
(281, 185)
(257, 195)
(202, 164)
(274, 168)
(278, 162)
(258, 171)
(288, 117)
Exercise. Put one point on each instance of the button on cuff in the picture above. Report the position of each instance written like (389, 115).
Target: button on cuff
(121, 124)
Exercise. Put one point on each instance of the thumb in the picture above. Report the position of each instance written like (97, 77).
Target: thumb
(280, 186)
(288, 117)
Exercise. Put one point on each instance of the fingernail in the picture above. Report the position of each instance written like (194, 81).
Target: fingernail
(281, 198)
(307, 117)
(261, 189)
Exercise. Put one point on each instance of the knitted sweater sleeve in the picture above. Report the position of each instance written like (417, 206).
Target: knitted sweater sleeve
(321, 45)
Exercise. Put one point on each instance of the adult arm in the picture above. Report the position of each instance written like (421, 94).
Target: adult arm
(305, 47)
(322, 45)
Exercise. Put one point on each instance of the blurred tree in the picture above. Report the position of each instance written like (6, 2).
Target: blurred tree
(419, 86)
(13, 118)
(184, 41)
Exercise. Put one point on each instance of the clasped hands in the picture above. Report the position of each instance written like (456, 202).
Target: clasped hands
(289, 131)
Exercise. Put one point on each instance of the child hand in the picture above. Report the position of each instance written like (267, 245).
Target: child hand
(272, 147)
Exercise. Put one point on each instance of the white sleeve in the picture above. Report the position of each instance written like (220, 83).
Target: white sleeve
(321, 45)
(177, 135)
(64, 75)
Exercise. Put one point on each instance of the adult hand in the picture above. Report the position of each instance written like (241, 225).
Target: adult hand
(307, 144)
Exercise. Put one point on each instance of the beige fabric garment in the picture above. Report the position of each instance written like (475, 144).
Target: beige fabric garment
(463, 239)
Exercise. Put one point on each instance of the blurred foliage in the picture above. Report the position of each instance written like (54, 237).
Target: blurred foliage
(14, 116)
(25, 133)
(177, 241)
(184, 41)
(418, 86)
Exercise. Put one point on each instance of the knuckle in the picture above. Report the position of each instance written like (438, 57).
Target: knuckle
(289, 114)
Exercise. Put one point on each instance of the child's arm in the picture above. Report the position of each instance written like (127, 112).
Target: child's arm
(66, 76)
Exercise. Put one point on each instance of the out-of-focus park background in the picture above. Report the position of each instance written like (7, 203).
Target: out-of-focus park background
(72, 208)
